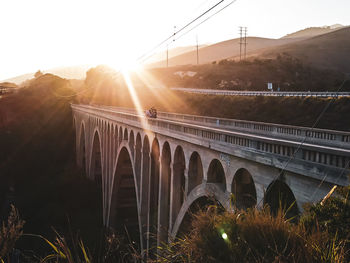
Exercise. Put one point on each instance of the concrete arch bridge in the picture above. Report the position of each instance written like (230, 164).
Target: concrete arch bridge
(153, 171)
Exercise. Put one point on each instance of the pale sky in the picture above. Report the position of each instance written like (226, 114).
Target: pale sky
(44, 34)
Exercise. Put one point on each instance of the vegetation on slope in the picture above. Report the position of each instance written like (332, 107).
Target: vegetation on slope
(37, 163)
(285, 72)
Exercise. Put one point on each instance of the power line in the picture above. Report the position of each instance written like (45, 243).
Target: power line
(188, 31)
(181, 29)
(226, 6)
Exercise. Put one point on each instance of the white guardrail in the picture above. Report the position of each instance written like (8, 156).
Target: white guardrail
(265, 93)
(297, 133)
(335, 156)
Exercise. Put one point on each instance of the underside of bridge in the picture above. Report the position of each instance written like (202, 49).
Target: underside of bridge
(123, 215)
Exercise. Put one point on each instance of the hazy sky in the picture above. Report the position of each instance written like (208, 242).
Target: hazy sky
(43, 34)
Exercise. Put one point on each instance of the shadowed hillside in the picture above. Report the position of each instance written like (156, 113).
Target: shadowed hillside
(330, 50)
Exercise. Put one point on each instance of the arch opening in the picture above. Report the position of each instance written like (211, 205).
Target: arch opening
(154, 191)
(144, 187)
(178, 179)
(96, 161)
(120, 135)
(280, 196)
(115, 141)
(125, 134)
(82, 150)
(164, 200)
(216, 173)
(243, 188)
(132, 143)
(138, 148)
(124, 216)
(195, 171)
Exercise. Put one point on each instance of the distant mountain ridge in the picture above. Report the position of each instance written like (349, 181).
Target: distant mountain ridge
(336, 57)
(73, 72)
(313, 31)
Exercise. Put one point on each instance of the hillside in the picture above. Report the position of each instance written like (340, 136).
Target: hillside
(313, 31)
(331, 50)
(222, 50)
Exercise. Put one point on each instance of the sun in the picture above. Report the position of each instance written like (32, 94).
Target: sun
(125, 64)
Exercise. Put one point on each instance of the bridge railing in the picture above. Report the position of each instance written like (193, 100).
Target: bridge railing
(320, 136)
(331, 156)
(326, 94)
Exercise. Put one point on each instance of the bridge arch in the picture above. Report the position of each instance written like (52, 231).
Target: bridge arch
(178, 181)
(124, 201)
(195, 171)
(209, 192)
(216, 173)
(243, 188)
(164, 199)
(279, 195)
(96, 163)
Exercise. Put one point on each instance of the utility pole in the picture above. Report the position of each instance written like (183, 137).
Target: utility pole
(197, 50)
(245, 43)
(242, 41)
(167, 56)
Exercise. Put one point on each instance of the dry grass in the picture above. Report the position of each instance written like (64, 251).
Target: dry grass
(10, 232)
(251, 236)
